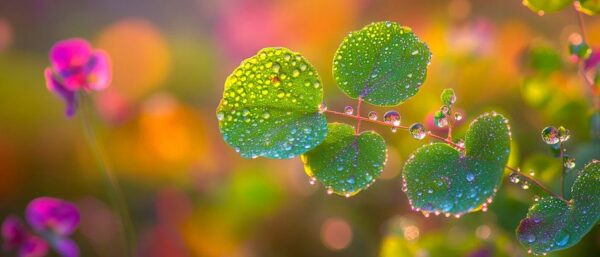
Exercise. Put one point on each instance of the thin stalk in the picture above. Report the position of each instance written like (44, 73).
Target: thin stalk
(114, 190)
(537, 183)
(562, 176)
(360, 100)
(449, 142)
(595, 93)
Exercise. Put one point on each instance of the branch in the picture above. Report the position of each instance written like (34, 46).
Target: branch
(537, 183)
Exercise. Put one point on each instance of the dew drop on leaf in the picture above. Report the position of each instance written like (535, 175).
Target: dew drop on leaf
(514, 178)
(417, 131)
(550, 135)
(322, 107)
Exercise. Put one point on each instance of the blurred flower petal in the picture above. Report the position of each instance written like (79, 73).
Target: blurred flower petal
(58, 216)
(13, 232)
(68, 54)
(65, 247)
(67, 95)
(99, 75)
(33, 246)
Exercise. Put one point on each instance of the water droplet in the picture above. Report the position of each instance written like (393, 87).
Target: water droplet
(276, 67)
(562, 239)
(322, 108)
(525, 185)
(550, 135)
(329, 190)
(394, 129)
(266, 115)
(440, 120)
(417, 131)
(220, 116)
(460, 143)
(536, 198)
(470, 177)
(568, 162)
(348, 110)
(295, 73)
(445, 109)
(530, 238)
(312, 180)
(373, 115)
(458, 116)
(392, 117)
(514, 178)
(563, 134)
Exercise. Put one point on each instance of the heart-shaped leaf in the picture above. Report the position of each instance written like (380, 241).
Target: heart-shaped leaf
(552, 224)
(546, 6)
(384, 63)
(270, 106)
(345, 162)
(441, 179)
(590, 7)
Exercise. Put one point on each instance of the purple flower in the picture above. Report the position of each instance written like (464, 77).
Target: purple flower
(76, 66)
(53, 219)
(593, 60)
(51, 214)
(16, 237)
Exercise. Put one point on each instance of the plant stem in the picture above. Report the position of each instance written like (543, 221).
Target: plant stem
(595, 93)
(360, 118)
(360, 100)
(114, 190)
(562, 175)
(449, 142)
(537, 183)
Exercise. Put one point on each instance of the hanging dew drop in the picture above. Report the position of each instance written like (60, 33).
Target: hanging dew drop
(550, 135)
(458, 116)
(514, 178)
(568, 162)
(322, 108)
(417, 131)
(563, 134)
(373, 115)
(440, 119)
(348, 110)
(392, 117)
(394, 129)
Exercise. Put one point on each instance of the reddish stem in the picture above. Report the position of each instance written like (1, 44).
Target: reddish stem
(360, 100)
(537, 183)
(588, 81)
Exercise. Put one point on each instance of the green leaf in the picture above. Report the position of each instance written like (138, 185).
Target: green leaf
(552, 224)
(448, 97)
(441, 179)
(270, 106)
(384, 63)
(346, 163)
(590, 7)
(546, 6)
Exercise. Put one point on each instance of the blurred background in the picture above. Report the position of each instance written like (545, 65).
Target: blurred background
(191, 195)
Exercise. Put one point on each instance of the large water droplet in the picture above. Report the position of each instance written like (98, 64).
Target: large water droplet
(373, 115)
(417, 131)
(348, 110)
(550, 135)
(392, 117)
(458, 116)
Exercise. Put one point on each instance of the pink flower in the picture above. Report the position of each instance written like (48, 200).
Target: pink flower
(53, 219)
(76, 66)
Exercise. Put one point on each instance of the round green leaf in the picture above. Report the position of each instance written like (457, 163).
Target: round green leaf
(441, 179)
(590, 7)
(345, 162)
(384, 63)
(552, 224)
(270, 106)
(546, 6)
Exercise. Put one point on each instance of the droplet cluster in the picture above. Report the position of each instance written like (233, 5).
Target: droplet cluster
(270, 106)
(384, 63)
